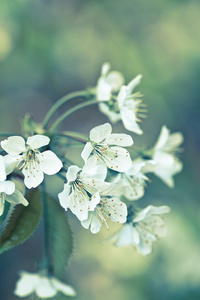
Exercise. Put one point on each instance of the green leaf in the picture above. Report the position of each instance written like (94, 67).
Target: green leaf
(60, 235)
(4, 219)
(22, 223)
(6, 209)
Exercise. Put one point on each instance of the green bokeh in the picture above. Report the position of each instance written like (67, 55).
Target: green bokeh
(50, 48)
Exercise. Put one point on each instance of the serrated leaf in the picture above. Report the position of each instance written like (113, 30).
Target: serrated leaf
(6, 209)
(60, 235)
(4, 219)
(22, 223)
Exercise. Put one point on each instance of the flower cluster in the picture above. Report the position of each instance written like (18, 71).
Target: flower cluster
(101, 189)
(118, 101)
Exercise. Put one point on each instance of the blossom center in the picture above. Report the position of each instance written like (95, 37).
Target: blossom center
(29, 161)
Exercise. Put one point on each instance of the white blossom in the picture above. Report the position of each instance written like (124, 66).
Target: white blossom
(145, 229)
(8, 191)
(127, 107)
(109, 208)
(108, 83)
(104, 146)
(166, 164)
(81, 192)
(28, 158)
(42, 286)
(134, 180)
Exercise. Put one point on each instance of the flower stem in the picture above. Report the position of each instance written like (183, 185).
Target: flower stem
(46, 229)
(60, 102)
(74, 135)
(69, 112)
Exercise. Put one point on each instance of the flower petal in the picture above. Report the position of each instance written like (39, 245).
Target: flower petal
(14, 145)
(49, 162)
(2, 204)
(133, 83)
(2, 169)
(112, 189)
(17, 198)
(45, 288)
(72, 173)
(11, 162)
(119, 140)
(123, 237)
(115, 209)
(26, 284)
(162, 139)
(86, 151)
(7, 187)
(64, 196)
(119, 160)
(32, 177)
(151, 210)
(115, 80)
(62, 287)
(99, 133)
(38, 141)
(129, 120)
(92, 222)
(93, 173)
(79, 204)
(107, 110)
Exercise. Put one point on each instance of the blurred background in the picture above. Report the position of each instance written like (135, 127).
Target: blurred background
(50, 48)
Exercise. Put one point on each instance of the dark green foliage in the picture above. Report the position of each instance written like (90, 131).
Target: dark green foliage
(22, 223)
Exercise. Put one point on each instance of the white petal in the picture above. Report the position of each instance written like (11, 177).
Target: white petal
(72, 173)
(174, 140)
(99, 133)
(119, 140)
(2, 204)
(105, 68)
(162, 139)
(17, 198)
(115, 80)
(95, 199)
(115, 209)
(86, 151)
(92, 222)
(93, 173)
(2, 168)
(11, 162)
(120, 160)
(64, 196)
(32, 177)
(7, 187)
(122, 96)
(38, 141)
(49, 162)
(124, 237)
(14, 145)
(79, 205)
(62, 287)
(145, 246)
(166, 167)
(112, 115)
(129, 120)
(151, 210)
(134, 83)
(134, 191)
(112, 189)
(157, 224)
(26, 284)
(45, 288)
(103, 90)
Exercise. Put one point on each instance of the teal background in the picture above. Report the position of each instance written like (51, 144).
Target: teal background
(50, 48)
